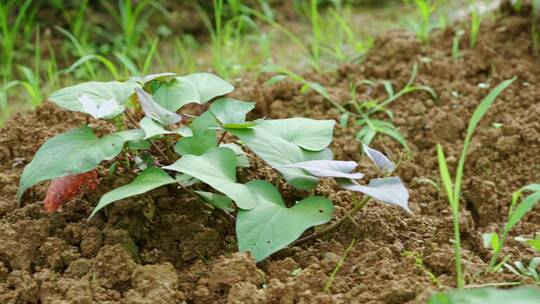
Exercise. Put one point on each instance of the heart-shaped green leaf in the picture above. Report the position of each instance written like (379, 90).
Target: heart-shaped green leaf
(98, 92)
(231, 111)
(147, 180)
(217, 168)
(241, 156)
(203, 139)
(283, 142)
(309, 134)
(73, 152)
(152, 128)
(194, 88)
(271, 226)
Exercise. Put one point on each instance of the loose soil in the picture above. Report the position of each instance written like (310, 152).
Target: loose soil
(163, 247)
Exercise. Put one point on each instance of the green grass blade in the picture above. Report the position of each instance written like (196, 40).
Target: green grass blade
(473, 123)
(522, 208)
(445, 174)
(129, 65)
(447, 182)
(83, 60)
(150, 57)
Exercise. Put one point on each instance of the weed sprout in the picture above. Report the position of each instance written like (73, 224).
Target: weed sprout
(452, 186)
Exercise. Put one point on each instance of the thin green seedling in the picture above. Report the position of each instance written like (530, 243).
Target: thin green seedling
(515, 213)
(332, 277)
(32, 86)
(427, 181)
(187, 61)
(476, 22)
(266, 8)
(519, 268)
(229, 45)
(419, 263)
(81, 51)
(77, 22)
(290, 35)
(28, 28)
(217, 36)
(31, 82)
(304, 50)
(307, 85)
(534, 243)
(239, 48)
(363, 110)
(152, 54)
(345, 38)
(53, 74)
(422, 26)
(127, 63)
(132, 19)
(131, 66)
(409, 87)
(316, 34)
(10, 31)
(235, 6)
(535, 25)
(456, 41)
(453, 188)
(88, 60)
(301, 7)
(264, 42)
(332, 36)
(372, 127)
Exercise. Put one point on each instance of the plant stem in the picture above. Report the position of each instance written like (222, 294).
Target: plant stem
(227, 215)
(332, 277)
(221, 138)
(497, 252)
(336, 224)
(134, 122)
(457, 248)
(169, 160)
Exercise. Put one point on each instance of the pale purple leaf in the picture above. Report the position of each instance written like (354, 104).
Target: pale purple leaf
(389, 190)
(382, 162)
(154, 110)
(328, 168)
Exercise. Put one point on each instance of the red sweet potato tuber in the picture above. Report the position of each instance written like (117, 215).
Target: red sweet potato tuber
(65, 188)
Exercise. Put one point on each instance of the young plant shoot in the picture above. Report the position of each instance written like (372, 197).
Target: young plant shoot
(453, 188)
(186, 153)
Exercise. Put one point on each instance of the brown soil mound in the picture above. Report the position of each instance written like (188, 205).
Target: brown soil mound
(164, 248)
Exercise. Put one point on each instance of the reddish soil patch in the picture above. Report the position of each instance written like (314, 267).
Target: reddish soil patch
(164, 248)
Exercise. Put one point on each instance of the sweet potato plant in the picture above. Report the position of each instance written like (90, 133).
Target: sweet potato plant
(188, 151)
